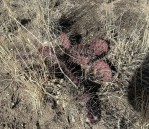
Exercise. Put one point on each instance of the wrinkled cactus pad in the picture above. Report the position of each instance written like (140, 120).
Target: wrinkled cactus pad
(101, 70)
(65, 41)
(99, 47)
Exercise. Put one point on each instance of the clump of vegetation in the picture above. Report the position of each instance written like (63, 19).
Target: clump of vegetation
(58, 63)
(75, 60)
(84, 54)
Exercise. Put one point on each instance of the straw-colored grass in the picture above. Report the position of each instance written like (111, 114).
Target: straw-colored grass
(125, 55)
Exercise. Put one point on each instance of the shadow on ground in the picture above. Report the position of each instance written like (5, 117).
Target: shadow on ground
(138, 90)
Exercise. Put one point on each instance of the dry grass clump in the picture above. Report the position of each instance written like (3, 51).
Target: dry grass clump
(25, 47)
(128, 53)
(20, 56)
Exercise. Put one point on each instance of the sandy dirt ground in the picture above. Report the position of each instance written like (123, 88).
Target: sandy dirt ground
(93, 19)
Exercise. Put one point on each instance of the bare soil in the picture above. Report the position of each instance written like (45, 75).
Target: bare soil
(91, 19)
